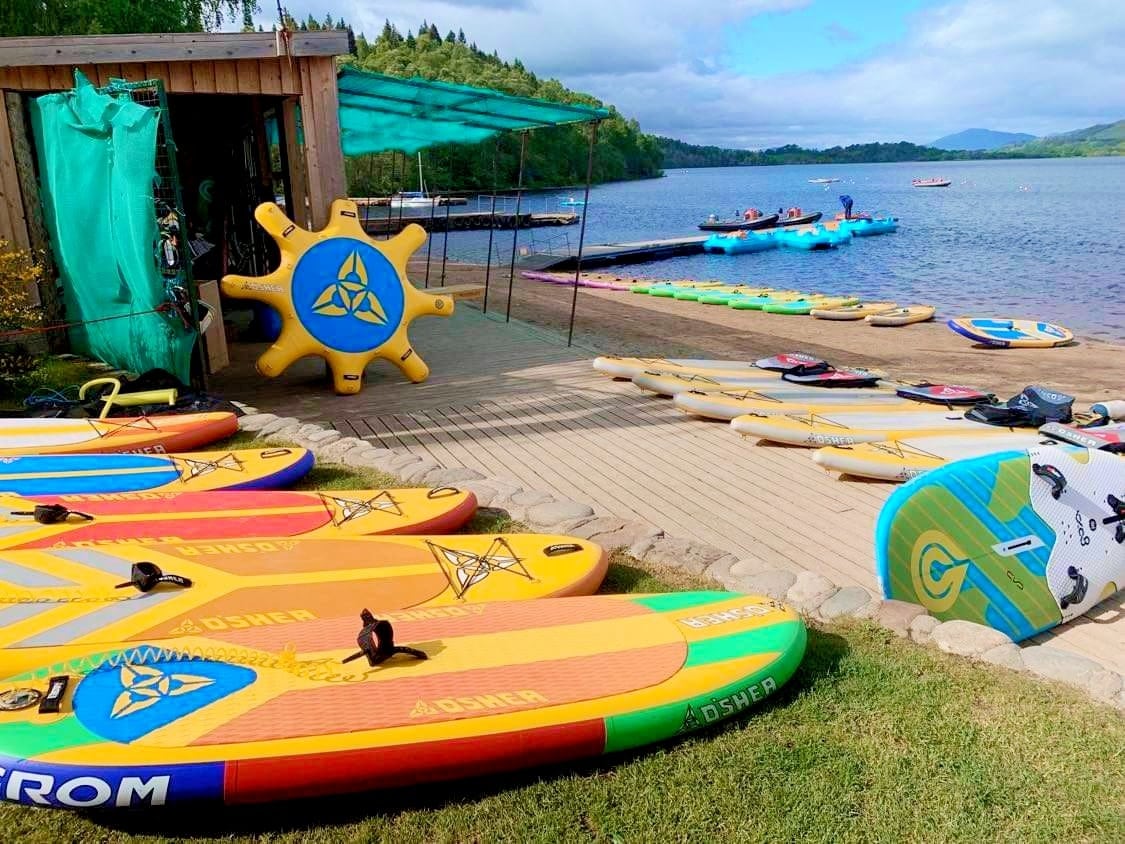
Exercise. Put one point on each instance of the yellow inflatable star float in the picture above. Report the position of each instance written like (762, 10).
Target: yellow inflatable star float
(341, 296)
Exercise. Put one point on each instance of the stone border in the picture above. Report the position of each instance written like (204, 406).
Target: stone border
(813, 595)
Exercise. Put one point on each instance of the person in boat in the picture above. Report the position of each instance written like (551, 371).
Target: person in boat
(711, 218)
(846, 201)
(751, 214)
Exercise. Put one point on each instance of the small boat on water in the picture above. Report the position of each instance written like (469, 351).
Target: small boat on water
(738, 243)
(800, 219)
(572, 202)
(769, 221)
(931, 183)
(822, 181)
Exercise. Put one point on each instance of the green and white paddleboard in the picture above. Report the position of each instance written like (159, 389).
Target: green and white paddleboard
(1021, 541)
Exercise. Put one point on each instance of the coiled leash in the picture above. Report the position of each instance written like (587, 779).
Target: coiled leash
(51, 514)
(147, 576)
(377, 642)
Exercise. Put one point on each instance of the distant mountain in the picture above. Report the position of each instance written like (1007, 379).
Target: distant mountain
(972, 139)
(1102, 139)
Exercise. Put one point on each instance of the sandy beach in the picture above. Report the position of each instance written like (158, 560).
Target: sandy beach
(615, 322)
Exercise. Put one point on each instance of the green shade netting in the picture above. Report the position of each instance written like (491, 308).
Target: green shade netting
(97, 163)
(380, 113)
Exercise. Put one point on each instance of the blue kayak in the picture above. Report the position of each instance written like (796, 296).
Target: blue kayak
(742, 242)
(870, 226)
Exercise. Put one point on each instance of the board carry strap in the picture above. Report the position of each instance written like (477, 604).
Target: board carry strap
(377, 642)
(1053, 476)
(1118, 517)
(147, 576)
(51, 514)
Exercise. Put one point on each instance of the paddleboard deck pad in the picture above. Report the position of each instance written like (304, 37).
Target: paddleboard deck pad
(832, 378)
(487, 689)
(793, 360)
(141, 434)
(270, 587)
(944, 394)
(266, 468)
(1020, 541)
(138, 517)
(1105, 437)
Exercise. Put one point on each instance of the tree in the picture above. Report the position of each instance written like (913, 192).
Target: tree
(86, 17)
(460, 36)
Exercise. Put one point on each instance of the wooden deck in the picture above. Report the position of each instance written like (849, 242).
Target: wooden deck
(521, 404)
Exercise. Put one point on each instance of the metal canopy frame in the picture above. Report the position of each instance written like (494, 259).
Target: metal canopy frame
(417, 114)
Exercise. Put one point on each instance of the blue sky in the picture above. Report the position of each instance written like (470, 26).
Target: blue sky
(760, 73)
(820, 36)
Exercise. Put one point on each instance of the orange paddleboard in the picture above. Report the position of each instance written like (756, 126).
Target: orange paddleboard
(140, 434)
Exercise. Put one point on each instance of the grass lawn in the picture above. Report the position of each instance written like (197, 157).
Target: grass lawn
(874, 739)
(50, 373)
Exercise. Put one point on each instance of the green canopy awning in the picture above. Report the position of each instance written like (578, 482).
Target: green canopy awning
(380, 113)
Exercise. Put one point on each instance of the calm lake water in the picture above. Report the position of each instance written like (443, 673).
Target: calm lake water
(1040, 239)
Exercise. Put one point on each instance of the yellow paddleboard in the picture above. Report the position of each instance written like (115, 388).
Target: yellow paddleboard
(269, 587)
(326, 707)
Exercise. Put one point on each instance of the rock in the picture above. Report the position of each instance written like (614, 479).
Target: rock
(643, 544)
(334, 452)
(747, 566)
(452, 477)
(551, 513)
(281, 423)
(324, 436)
(897, 615)
(1006, 655)
(922, 628)
(527, 498)
(397, 462)
(610, 532)
(415, 473)
(967, 638)
(684, 554)
(1104, 685)
(308, 428)
(1071, 668)
(366, 458)
(255, 421)
(485, 492)
(809, 591)
(772, 582)
(848, 601)
(720, 569)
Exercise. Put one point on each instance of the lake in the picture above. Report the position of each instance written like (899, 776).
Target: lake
(1041, 239)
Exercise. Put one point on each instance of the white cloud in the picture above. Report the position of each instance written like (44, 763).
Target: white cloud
(1008, 64)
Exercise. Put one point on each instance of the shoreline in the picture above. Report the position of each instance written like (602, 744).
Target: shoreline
(619, 322)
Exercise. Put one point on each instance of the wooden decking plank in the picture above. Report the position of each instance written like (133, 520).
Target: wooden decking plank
(708, 503)
(720, 470)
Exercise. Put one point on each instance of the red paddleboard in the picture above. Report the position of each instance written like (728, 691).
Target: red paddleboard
(140, 434)
(51, 521)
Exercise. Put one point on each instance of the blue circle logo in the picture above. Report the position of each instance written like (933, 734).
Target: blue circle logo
(347, 295)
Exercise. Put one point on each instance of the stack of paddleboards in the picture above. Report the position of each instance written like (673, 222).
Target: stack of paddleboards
(177, 628)
(860, 423)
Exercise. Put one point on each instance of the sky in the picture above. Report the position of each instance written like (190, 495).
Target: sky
(761, 73)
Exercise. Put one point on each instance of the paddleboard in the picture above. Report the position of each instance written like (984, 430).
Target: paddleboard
(286, 711)
(901, 316)
(1012, 333)
(791, 361)
(1108, 437)
(901, 460)
(139, 517)
(801, 307)
(668, 384)
(847, 427)
(853, 312)
(144, 434)
(619, 367)
(202, 470)
(55, 597)
(1020, 540)
(772, 402)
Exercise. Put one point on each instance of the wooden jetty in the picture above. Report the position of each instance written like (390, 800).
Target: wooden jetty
(608, 254)
(378, 221)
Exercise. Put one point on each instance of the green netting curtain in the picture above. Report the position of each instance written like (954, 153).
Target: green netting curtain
(380, 113)
(97, 162)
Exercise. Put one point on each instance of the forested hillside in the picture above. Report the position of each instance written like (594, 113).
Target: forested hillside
(555, 156)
